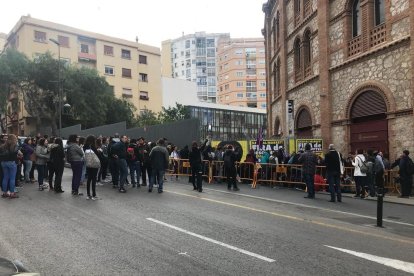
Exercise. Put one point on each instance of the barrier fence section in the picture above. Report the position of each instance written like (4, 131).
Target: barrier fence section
(287, 175)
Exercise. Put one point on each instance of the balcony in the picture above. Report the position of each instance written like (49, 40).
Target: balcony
(308, 8)
(250, 55)
(378, 35)
(308, 71)
(251, 89)
(355, 46)
(86, 56)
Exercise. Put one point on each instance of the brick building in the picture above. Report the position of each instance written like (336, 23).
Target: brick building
(347, 67)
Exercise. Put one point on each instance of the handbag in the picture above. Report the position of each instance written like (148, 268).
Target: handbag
(92, 160)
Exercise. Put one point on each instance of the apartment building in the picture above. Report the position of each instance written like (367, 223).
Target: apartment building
(193, 57)
(242, 72)
(131, 68)
(342, 71)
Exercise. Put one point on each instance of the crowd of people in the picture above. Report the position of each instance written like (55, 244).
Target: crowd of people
(103, 160)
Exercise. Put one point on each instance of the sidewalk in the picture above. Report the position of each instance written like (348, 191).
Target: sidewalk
(388, 198)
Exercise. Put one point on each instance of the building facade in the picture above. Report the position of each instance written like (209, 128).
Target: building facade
(3, 38)
(223, 122)
(242, 72)
(131, 68)
(341, 70)
(193, 57)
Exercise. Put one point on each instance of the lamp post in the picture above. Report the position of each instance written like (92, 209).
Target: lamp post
(59, 87)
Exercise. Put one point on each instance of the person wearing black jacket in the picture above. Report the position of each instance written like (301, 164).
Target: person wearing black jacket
(134, 163)
(9, 151)
(333, 161)
(57, 161)
(406, 178)
(230, 158)
(119, 153)
(196, 165)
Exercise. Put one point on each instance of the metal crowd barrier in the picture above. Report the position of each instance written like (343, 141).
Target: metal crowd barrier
(286, 175)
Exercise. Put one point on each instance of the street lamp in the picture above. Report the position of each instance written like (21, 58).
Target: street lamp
(59, 88)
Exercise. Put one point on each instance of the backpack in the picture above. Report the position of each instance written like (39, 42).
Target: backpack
(364, 167)
(410, 166)
(370, 166)
(131, 154)
(92, 160)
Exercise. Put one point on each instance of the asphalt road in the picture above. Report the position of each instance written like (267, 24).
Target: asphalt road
(183, 232)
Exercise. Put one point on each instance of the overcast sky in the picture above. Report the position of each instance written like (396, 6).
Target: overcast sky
(152, 21)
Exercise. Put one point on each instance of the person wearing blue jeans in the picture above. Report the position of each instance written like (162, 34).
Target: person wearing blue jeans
(9, 167)
(135, 168)
(9, 177)
(159, 158)
(119, 155)
(309, 161)
(123, 173)
(42, 157)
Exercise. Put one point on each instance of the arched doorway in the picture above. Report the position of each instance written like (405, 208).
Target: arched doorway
(369, 126)
(304, 124)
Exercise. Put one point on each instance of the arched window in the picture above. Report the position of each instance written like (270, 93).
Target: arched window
(307, 7)
(379, 12)
(296, 51)
(307, 55)
(356, 18)
(277, 131)
(304, 124)
(275, 92)
(277, 30)
(296, 7)
(274, 33)
(277, 78)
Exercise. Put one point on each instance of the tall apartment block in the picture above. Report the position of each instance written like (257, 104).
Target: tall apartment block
(131, 68)
(242, 72)
(193, 57)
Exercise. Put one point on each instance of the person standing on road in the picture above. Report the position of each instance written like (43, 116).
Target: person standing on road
(196, 167)
(119, 153)
(9, 152)
(134, 163)
(309, 161)
(360, 177)
(144, 151)
(90, 144)
(159, 163)
(42, 156)
(75, 156)
(405, 164)
(57, 161)
(27, 150)
(334, 170)
(230, 158)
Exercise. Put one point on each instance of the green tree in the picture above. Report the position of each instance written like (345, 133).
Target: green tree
(173, 114)
(14, 68)
(120, 110)
(147, 118)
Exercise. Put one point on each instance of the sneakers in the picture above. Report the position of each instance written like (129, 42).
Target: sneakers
(88, 197)
(14, 195)
(122, 190)
(159, 191)
(150, 190)
(4, 195)
(95, 198)
(41, 188)
(74, 193)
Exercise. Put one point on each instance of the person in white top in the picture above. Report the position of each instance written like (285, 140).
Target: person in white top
(360, 177)
(175, 159)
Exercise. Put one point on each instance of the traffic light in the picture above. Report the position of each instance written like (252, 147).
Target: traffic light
(290, 106)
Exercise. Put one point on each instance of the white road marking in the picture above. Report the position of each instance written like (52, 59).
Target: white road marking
(213, 241)
(397, 264)
(310, 206)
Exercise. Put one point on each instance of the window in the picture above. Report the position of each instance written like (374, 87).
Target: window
(85, 48)
(239, 62)
(296, 6)
(263, 105)
(109, 70)
(108, 50)
(127, 92)
(211, 62)
(211, 52)
(126, 73)
(262, 95)
(296, 50)
(356, 19)
(226, 87)
(211, 81)
(210, 42)
(239, 84)
(277, 30)
(142, 59)
(126, 54)
(187, 44)
(239, 52)
(262, 84)
(239, 74)
(143, 77)
(239, 95)
(276, 78)
(211, 72)
(63, 41)
(262, 61)
(379, 12)
(40, 36)
(143, 95)
(307, 53)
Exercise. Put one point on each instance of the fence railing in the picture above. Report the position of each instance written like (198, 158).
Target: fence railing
(285, 175)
